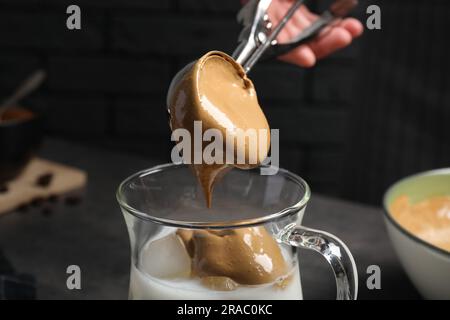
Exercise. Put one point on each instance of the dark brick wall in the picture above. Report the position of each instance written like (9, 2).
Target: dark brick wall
(107, 84)
(400, 123)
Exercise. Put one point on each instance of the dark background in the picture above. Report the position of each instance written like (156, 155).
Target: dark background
(361, 119)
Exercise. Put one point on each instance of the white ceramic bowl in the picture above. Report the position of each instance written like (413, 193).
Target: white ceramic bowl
(427, 266)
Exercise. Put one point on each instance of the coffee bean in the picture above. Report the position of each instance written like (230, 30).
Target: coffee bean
(44, 180)
(47, 212)
(3, 189)
(53, 198)
(72, 200)
(23, 208)
(37, 202)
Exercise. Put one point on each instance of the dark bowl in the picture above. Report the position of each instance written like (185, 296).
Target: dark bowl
(20, 136)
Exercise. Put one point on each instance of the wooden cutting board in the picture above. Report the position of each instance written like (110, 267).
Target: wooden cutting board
(41, 179)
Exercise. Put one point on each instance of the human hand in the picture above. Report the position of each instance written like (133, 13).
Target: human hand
(340, 35)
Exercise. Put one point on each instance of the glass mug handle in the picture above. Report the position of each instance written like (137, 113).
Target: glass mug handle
(333, 250)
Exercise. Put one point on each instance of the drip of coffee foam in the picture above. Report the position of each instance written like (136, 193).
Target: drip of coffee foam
(218, 92)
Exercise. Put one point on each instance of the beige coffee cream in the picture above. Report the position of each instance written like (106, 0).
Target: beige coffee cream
(428, 219)
(248, 256)
(214, 95)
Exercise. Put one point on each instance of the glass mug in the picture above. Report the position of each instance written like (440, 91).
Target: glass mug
(159, 201)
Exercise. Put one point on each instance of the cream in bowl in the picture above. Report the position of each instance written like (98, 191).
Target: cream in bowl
(418, 222)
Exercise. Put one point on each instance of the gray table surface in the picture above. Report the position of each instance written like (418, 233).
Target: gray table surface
(93, 236)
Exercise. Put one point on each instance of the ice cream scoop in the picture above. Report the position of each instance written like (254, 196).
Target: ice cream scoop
(216, 92)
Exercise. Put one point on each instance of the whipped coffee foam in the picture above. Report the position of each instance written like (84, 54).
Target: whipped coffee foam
(247, 255)
(217, 92)
(428, 219)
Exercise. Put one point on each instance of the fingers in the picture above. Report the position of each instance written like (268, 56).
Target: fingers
(283, 36)
(302, 56)
(337, 38)
(300, 20)
(333, 40)
(308, 14)
(353, 26)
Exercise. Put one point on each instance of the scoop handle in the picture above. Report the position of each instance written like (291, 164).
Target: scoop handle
(30, 84)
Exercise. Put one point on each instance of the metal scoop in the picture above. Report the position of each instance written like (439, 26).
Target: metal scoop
(258, 37)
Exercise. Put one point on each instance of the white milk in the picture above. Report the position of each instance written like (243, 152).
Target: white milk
(147, 287)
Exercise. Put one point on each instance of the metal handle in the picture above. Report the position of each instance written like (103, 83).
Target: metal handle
(268, 41)
(29, 85)
(333, 250)
(339, 9)
(258, 36)
(257, 39)
(253, 16)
